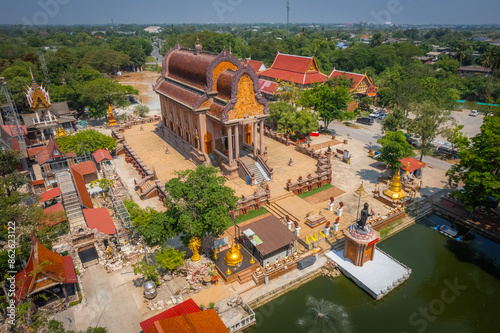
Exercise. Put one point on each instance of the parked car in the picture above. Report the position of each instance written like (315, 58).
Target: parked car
(374, 114)
(365, 120)
(412, 141)
(382, 116)
(448, 150)
(473, 113)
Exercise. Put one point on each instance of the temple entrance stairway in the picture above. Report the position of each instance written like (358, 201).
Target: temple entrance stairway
(71, 202)
(255, 168)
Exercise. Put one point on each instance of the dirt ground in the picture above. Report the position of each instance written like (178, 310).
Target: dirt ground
(142, 81)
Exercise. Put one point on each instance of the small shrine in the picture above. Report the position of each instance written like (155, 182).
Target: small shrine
(395, 191)
(233, 256)
(112, 120)
(234, 263)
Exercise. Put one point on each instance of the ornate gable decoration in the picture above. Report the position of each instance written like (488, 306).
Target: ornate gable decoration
(38, 97)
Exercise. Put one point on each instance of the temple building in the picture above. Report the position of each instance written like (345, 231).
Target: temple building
(212, 109)
(47, 118)
(303, 71)
(362, 85)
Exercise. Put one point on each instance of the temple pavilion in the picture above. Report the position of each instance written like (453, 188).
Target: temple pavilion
(212, 109)
(362, 84)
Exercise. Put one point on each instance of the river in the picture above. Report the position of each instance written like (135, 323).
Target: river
(454, 287)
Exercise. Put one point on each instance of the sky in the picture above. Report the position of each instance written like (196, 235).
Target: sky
(40, 12)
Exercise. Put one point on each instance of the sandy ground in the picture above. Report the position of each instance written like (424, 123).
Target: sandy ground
(142, 81)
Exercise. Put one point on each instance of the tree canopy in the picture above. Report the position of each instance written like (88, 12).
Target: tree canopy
(198, 203)
(394, 148)
(479, 168)
(85, 141)
(288, 119)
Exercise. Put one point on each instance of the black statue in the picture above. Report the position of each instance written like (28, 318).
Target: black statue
(364, 216)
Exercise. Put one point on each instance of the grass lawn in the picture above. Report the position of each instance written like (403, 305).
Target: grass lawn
(150, 59)
(251, 214)
(316, 190)
(387, 229)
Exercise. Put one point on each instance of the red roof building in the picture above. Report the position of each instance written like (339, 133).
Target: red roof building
(50, 194)
(257, 66)
(99, 218)
(8, 134)
(414, 164)
(267, 87)
(303, 71)
(207, 321)
(361, 83)
(52, 220)
(52, 151)
(102, 155)
(45, 269)
(185, 307)
(80, 183)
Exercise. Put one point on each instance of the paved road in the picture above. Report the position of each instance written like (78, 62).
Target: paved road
(157, 55)
(371, 133)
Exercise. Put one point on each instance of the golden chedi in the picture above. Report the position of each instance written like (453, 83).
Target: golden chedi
(233, 256)
(395, 191)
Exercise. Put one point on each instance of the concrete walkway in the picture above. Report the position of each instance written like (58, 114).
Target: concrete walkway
(110, 303)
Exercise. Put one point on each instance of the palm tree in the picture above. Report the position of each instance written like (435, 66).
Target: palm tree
(462, 51)
(377, 39)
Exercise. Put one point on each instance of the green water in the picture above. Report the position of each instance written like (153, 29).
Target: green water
(454, 287)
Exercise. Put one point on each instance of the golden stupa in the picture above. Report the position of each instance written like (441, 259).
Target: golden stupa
(111, 117)
(233, 256)
(395, 191)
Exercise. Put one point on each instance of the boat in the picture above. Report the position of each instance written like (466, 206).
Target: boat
(447, 231)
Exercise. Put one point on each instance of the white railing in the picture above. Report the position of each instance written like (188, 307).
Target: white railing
(245, 322)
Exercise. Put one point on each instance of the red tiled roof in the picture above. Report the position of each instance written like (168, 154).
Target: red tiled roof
(50, 194)
(267, 87)
(53, 220)
(81, 188)
(85, 168)
(354, 76)
(365, 36)
(99, 218)
(294, 69)
(49, 274)
(51, 151)
(33, 151)
(256, 65)
(9, 128)
(198, 322)
(102, 154)
(185, 307)
(69, 269)
(414, 163)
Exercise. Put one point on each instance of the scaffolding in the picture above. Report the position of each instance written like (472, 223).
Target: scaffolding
(12, 116)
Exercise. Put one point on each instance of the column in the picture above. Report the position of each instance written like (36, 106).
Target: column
(261, 137)
(254, 138)
(237, 140)
(202, 129)
(230, 144)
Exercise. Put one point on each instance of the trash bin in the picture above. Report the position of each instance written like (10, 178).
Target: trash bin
(150, 290)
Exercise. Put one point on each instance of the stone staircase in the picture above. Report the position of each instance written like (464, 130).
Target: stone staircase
(146, 188)
(255, 168)
(279, 212)
(71, 202)
(245, 277)
(338, 245)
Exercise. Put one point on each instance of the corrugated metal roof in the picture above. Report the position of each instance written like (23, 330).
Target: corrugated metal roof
(198, 322)
(273, 234)
(185, 307)
(50, 194)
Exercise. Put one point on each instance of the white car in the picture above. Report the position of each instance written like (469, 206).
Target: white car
(473, 113)
(374, 114)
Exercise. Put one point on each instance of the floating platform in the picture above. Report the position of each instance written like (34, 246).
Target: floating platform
(445, 230)
(377, 277)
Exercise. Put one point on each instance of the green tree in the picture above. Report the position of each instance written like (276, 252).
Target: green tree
(429, 122)
(394, 148)
(141, 110)
(377, 39)
(198, 203)
(170, 258)
(85, 141)
(287, 91)
(479, 168)
(105, 60)
(454, 135)
(394, 121)
(149, 271)
(330, 104)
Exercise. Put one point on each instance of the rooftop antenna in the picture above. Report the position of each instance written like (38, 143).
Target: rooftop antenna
(287, 17)
(112, 23)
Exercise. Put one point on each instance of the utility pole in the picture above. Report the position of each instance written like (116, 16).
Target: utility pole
(287, 17)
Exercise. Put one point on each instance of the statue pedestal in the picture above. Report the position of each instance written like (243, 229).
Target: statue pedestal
(360, 247)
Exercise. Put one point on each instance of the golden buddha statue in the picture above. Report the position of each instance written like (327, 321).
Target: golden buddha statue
(233, 256)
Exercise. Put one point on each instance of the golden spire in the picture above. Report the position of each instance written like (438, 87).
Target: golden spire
(112, 120)
(360, 192)
(215, 254)
(395, 191)
(408, 168)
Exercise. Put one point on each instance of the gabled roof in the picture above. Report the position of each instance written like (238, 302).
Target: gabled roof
(33, 151)
(81, 188)
(297, 69)
(51, 151)
(53, 220)
(207, 321)
(50, 194)
(44, 270)
(99, 218)
(37, 96)
(185, 307)
(102, 154)
(85, 168)
(256, 65)
(356, 79)
(414, 163)
(267, 87)
(60, 109)
(11, 130)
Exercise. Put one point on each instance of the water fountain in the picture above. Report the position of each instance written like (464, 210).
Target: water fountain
(324, 316)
